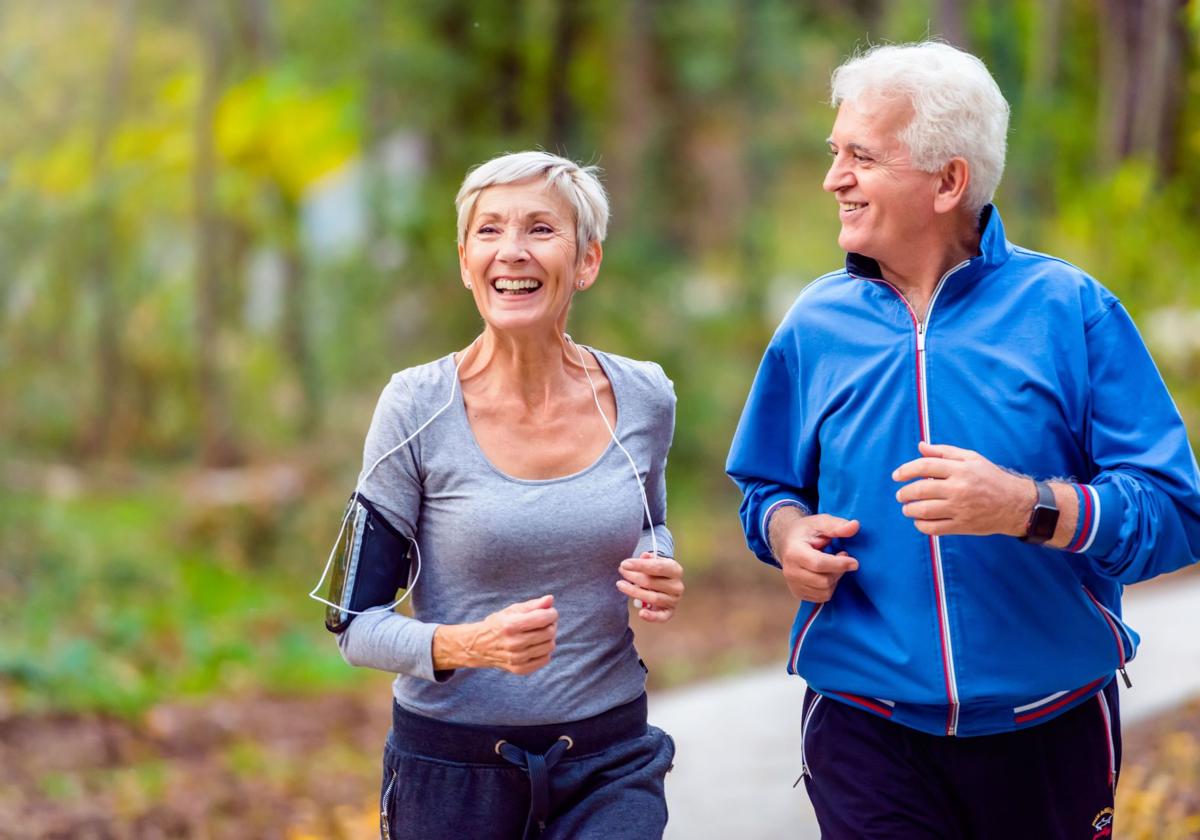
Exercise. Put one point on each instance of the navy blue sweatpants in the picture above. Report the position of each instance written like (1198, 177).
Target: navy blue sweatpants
(597, 778)
(868, 777)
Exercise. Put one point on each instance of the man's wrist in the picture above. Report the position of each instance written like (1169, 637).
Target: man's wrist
(1068, 511)
(779, 520)
(1068, 514)
(1025, 491)
(1042, 524)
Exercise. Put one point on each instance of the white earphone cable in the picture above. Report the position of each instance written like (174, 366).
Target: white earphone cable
(416, 549)
(637, 476)
(358, 488)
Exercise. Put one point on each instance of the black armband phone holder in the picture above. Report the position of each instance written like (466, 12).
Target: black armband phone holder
(371, 562)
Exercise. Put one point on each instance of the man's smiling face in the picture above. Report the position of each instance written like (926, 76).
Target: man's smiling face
(883, 202)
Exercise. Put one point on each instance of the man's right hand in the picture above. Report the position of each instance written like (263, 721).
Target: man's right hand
(798, 543)
(518, 639)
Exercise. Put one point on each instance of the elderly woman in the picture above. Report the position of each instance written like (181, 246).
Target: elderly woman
(535, 506)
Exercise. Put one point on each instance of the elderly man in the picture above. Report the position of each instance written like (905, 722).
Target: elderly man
(957, 450)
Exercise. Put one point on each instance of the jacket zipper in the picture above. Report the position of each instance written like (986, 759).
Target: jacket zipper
(935, 546)
(1112, 626)
(795, 661)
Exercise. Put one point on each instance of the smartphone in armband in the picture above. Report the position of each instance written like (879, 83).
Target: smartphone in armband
(371, 563)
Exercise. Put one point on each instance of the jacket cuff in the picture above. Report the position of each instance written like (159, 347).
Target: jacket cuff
(770, 510)
(1098, 525)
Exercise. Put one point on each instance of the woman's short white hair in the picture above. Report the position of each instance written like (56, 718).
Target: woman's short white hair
(579, 185)
(958, 108)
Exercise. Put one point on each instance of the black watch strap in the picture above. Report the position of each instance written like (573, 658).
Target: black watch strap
(1044, 517)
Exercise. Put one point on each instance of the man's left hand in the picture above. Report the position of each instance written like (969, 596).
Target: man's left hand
(958, 491)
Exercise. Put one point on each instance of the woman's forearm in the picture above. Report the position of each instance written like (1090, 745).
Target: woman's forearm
(453, 646)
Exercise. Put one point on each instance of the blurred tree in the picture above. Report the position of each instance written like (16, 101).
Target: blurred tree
(560, 131)
(284, 200)
(950, 23)
(217, 436)
(1146, 60)
(165, 277)
(101, 232)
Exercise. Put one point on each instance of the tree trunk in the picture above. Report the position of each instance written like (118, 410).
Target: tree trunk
(1047, 46)
(108, 380)
(1144, 72)
(756, 162)
(562, 108)
(635, 119)
(1039, 102)
(297, 341)
(1177, 65)
(216, 428)
(950, 24)
(376, 120)
(254, 21)
(260, 42)
(509, 69)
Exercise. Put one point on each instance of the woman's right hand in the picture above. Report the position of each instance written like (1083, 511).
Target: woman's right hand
(518, 639)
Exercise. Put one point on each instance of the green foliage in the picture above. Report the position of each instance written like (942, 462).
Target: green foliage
(123, 599)
(709, 118)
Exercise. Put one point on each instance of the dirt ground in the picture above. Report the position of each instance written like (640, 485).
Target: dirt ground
(300, 767)
(306, 767)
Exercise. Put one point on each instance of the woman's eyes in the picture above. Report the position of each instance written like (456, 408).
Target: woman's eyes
(539, 228)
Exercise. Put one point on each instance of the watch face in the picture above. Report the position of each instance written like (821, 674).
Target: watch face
(1042, 523)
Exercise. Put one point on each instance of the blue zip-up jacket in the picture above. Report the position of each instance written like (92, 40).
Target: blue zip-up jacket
(1030, 362)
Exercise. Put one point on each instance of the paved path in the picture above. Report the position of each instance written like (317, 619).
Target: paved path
(737, 738)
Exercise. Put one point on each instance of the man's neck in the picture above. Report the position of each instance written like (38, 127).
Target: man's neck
(918, 273)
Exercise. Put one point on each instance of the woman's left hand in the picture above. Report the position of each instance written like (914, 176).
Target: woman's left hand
(655, 581)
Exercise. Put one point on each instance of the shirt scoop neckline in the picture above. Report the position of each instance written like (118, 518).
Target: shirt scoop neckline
(461, 412)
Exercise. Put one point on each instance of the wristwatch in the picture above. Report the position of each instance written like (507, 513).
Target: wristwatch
(1044, 517)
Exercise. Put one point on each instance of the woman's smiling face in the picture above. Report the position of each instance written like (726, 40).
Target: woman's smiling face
(520, 258)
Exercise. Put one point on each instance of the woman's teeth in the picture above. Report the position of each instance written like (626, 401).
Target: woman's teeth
(516, 287)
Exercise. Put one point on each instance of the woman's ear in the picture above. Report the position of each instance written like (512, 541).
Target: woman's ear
(589, 266)
(462, 266)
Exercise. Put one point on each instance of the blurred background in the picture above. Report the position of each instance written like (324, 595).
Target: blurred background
(225, 223)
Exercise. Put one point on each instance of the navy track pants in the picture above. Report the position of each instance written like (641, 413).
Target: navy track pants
(868, 777)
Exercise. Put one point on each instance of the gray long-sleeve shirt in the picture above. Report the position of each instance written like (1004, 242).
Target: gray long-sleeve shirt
(488, 540)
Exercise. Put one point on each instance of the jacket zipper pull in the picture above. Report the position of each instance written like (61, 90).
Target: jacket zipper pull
(1124, 676)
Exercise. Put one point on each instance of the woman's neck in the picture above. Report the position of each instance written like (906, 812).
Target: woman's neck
(533, 369)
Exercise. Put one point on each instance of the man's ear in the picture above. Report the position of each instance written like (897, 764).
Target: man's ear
(952, 184)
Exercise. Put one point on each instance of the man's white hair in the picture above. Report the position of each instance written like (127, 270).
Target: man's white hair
(579, 185)
(958, 110)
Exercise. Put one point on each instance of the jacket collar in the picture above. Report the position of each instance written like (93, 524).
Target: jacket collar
(994, 251)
